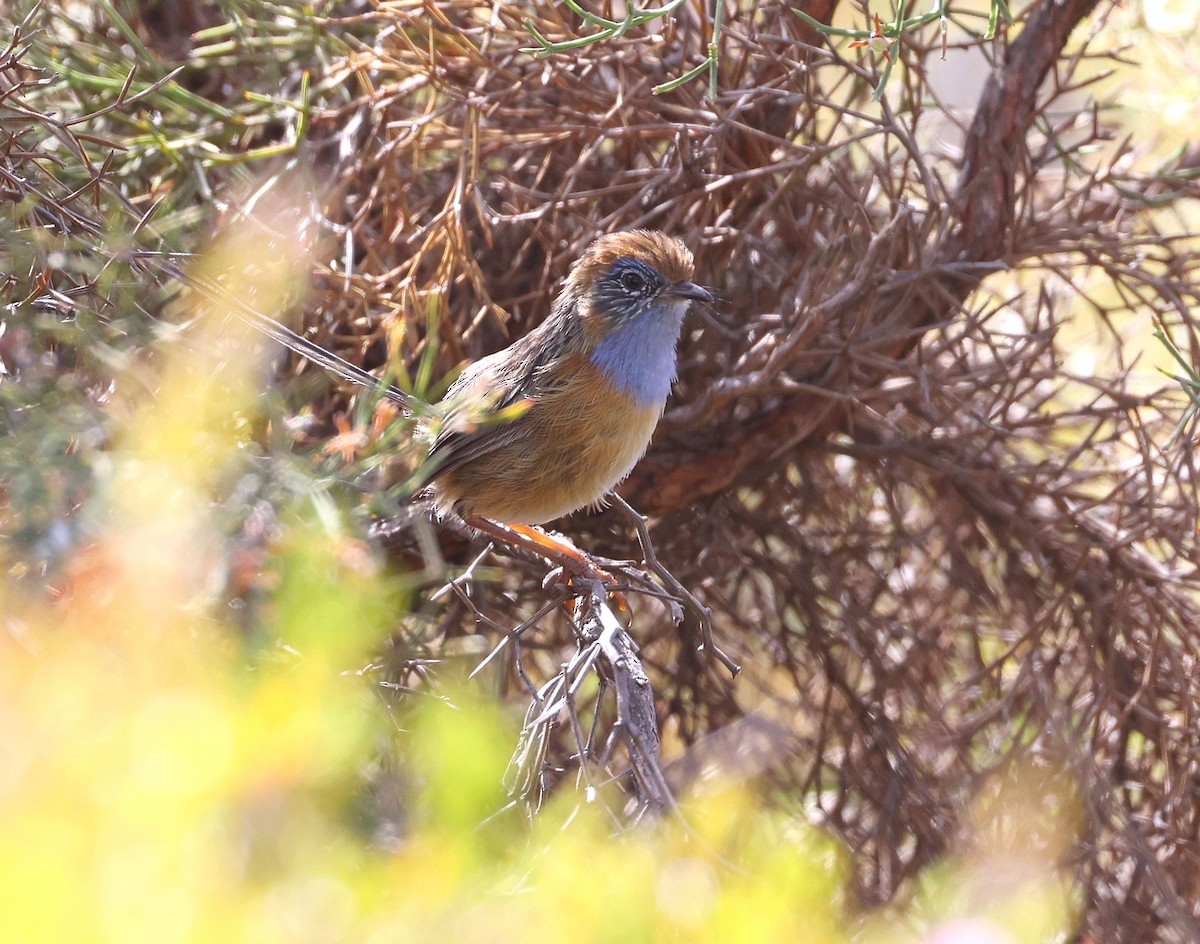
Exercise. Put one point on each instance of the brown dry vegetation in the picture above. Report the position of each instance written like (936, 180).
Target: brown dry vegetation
(940, 547)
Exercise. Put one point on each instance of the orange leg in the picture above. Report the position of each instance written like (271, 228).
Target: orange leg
(558, 550)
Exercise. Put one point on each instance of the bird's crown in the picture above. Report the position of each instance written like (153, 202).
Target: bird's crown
(664, 254)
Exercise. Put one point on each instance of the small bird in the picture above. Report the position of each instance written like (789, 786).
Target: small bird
(594, 379)
(551, 423)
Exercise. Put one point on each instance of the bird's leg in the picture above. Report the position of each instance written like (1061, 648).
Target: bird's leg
(558, 550)
(682, 593)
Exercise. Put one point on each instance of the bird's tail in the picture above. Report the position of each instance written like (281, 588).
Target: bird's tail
(213, 291)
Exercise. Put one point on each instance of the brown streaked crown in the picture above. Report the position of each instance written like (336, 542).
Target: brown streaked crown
(665, 253)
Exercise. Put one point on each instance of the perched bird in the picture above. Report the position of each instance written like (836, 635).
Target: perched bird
(594, 378)
(551, 423)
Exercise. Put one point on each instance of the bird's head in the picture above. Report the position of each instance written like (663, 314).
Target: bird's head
(623, 277)
(630, 291)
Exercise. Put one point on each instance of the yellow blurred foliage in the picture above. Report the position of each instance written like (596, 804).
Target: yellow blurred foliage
(165, 779)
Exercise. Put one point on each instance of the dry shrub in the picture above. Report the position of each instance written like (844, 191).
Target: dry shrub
(936, 546)
(940, 542)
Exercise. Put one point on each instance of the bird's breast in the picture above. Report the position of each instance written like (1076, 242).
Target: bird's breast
(598, 430)
(580, 437)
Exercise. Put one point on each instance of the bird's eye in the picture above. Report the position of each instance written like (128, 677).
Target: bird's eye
(633, 282)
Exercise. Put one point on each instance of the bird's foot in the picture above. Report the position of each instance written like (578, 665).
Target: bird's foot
(553, 547)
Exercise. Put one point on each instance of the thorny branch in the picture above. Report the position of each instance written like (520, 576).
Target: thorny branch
(604, 645)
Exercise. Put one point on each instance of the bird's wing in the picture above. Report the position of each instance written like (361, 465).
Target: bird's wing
(475, 423)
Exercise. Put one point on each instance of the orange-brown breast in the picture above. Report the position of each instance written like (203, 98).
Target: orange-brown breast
(580, 440)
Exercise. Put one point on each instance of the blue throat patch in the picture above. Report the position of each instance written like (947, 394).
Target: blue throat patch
(638, 357)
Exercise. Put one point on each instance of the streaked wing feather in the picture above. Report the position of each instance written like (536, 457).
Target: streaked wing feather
(507, 381)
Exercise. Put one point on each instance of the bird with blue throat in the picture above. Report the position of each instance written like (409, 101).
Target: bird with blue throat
(593, 380)
(553, 422)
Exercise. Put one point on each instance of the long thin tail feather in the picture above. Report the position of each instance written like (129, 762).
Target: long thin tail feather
(215, 292)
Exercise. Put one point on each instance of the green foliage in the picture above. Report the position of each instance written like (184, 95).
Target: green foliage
(1188, 379)
(606, 29)
(165, 784)
(902, 24)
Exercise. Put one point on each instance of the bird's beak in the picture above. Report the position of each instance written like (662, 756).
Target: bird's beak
(690, 290)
